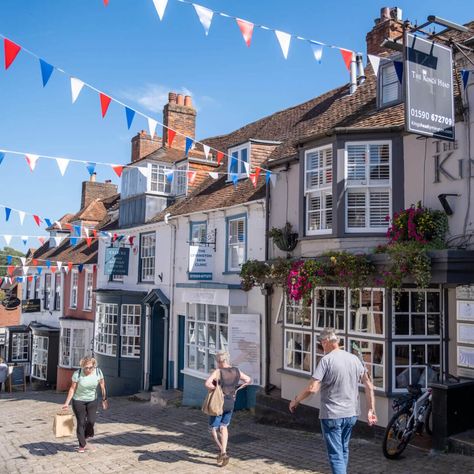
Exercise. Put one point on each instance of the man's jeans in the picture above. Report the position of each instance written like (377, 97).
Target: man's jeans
(337, 434)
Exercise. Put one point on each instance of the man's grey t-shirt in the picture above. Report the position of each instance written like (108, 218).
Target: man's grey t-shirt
(339, 373)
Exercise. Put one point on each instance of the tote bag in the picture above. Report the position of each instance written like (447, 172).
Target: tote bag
(213, 404)
(63, 424)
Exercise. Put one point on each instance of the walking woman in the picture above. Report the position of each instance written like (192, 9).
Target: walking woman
(83, 393)
(228, 378)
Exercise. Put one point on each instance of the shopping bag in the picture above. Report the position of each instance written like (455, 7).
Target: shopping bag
(63, 424)
(213, 404)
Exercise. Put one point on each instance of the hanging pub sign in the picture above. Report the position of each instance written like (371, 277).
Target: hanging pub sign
(200, 262)
(31, 306)
(429, 95)
(116, 260)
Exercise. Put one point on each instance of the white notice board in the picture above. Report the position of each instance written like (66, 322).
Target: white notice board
(244, 344)
(465, 310)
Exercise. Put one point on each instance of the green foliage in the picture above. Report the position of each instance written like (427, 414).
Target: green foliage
(3, 259)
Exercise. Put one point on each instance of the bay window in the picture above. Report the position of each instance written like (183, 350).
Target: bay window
(20, 346)
(106, 329)
(130, 330)
(39, 357)
(158, 181)
(74, 345)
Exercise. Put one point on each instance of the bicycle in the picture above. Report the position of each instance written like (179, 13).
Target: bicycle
(412, 415)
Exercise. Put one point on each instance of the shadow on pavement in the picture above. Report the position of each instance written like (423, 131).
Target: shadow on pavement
(47, 448)
(174, 456)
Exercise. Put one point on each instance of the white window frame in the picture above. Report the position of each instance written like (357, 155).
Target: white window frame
(57, 291)
(74, 289)
(48, 280)
(295, 316)
(130, 331)
(198, 232)
(360, 334)
(385, 65)
(20, 346)
(325, 309)
(147, 256)
(238, 245)
(106, 335)
(371, 364)
(194, 346)
(237, 150)
(37, 286)
(366, 186)
(39, 357)
(304, 354)
(75, 342)
(158, 181)
(322, 190)
(88, 287)
(180, 180)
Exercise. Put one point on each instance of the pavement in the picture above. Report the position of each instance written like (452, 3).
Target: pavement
(136, 437)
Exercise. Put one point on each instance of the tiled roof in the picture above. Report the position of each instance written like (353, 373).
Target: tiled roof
(170, 155)
(67, 218)
(65, 252)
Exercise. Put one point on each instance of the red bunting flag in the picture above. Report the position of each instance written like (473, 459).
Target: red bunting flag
(106, 2)
(191, 177)
(30, 278)
(220, 156)
(257, 172)
(118, 170)
(69, 265)
(11, 51)
(253, 178)
(68, 226)
(247, 30)
(88, 241)
(130, 239)
(94, 268)
(35, 262)
(94, 232)
(347, 56)
(104, 103)
(171, 135)
(53, 268)
(1, 281)
(37, 220)
(114, 238)
(10, 269)
(41, 240)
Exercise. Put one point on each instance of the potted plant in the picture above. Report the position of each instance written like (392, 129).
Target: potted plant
(285, 239)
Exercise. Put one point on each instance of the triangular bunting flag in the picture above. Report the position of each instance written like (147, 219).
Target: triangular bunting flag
(21, 215)
(48, 263)
(23, 260)
(253, 179)
(347, 56)
(77, 230)
(46, 71)
(169, 176)
(24, 239)
(104, 103)
(68, 226)
(2, 155)
(69, 265)
(8, 211)
(160, 6)
(374, 62)
(59, 264)
(213, 175)
(73, 241)
(9, 259)
(48, 222)
(464, 75)
(399, 70)
(205, 16)
(206, 149)
(152, 126)
(41, 240)
(130, 114)
(317, 51)
(62, 165)
(94, 233)
(220, 156)
(284, 40)
(235, 178)
(118, 169)
(191, 176)
(86, 231)
(76, 87)
(10, 269)
(247, 168)
(53, 269)
(257, 172)
(90, 167)
(130, 239)
(39, 270)
(19, 279)
(171, 135)
(31, 160)
(89, 241)
(189, 144)
(35, 262)
(267, 176)
(8, 239)
(80, 267)
(106, 2)
(246, 29)
(57, 241)
(37, 220)
(11, 51)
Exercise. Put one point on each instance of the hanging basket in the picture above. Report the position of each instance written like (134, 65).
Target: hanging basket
(287, 241)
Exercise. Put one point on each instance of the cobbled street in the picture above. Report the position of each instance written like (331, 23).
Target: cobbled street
(134, 437)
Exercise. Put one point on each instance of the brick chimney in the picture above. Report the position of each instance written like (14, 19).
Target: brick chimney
(143, 145)
(180, 115)
(390, 26)
(93, 190)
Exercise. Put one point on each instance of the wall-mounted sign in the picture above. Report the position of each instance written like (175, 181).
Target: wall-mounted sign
(201, 260)
(116, 261)
(429, 98)
(31, 306)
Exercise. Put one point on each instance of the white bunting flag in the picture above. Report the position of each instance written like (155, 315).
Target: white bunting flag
(143, 170)
(31, 160)
(66, 269)
(76, 87)
(160, 6)
(205, 16)
(62, 165)
(59, 264)
(273, 179)
(8, 239)
(317, 51)
(213, 175)
(57, 241)
(375, 63)
(59, 225)
(24, 239)
(86, 231)
(23, 260)
(206, 149)
(152, 126)
(25, 270)
(247, 168)
(21, 215)
(284, 40)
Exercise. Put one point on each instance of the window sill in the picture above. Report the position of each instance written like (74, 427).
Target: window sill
(301, 375)
(231, 272)
(195, 373)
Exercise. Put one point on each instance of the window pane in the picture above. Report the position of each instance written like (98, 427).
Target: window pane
(356, 162)
(356, 210)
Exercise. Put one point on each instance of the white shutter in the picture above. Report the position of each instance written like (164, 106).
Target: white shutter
(379, 163)
(356, 210)
(318, 168)
(379, 208)
(390, 84)
(356, 160)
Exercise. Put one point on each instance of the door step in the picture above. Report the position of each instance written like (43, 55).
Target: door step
(165, 398)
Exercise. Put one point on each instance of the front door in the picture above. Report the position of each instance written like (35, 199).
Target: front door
(181, 326)
(157, 345)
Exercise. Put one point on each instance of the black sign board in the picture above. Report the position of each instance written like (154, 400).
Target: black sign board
(31, 306)
(17, 378)
(116, 261)
(429, 99)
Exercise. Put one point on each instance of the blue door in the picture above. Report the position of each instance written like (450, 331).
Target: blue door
(157, 345)
(181, 326)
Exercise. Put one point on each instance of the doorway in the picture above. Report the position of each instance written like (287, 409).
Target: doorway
(157, 345)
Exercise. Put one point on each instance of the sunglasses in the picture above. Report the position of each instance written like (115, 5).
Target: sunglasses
(89, 367)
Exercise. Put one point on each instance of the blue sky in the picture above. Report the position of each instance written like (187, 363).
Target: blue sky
(125, 51)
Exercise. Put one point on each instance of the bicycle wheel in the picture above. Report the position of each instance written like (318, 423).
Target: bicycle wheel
(429, 421)
(394, 441)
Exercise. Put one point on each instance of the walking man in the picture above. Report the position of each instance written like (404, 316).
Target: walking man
(337, 376)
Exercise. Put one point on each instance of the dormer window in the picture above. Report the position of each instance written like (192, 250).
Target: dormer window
(389, 87)
(238, 156)
(158, 181)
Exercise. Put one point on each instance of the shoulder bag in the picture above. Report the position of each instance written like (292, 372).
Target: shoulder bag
(213, 404)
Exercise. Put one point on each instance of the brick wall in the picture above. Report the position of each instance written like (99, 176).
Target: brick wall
(143, 145)
(92, 190)
(179, 115)
(385, 27)
(9, 317)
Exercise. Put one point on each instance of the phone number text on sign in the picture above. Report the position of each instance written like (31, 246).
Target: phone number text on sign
(423, 114)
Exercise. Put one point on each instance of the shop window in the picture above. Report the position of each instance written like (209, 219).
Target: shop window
(130, 330)
(367, 309)
(20, 346)
(39, 357)
(72, 346)
(371, 354)
(298, 351)
(106, 329)
(329, 308)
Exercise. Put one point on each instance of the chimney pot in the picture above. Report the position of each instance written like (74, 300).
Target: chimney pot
(172, 97)
(180, 99)
(93, 177)
(385, 13)
(188, 101)
(108, 180)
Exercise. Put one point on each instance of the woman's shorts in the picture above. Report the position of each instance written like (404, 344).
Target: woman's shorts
(216, 422)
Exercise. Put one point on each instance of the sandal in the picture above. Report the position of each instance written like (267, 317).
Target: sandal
(219, 459)
(225, 459)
